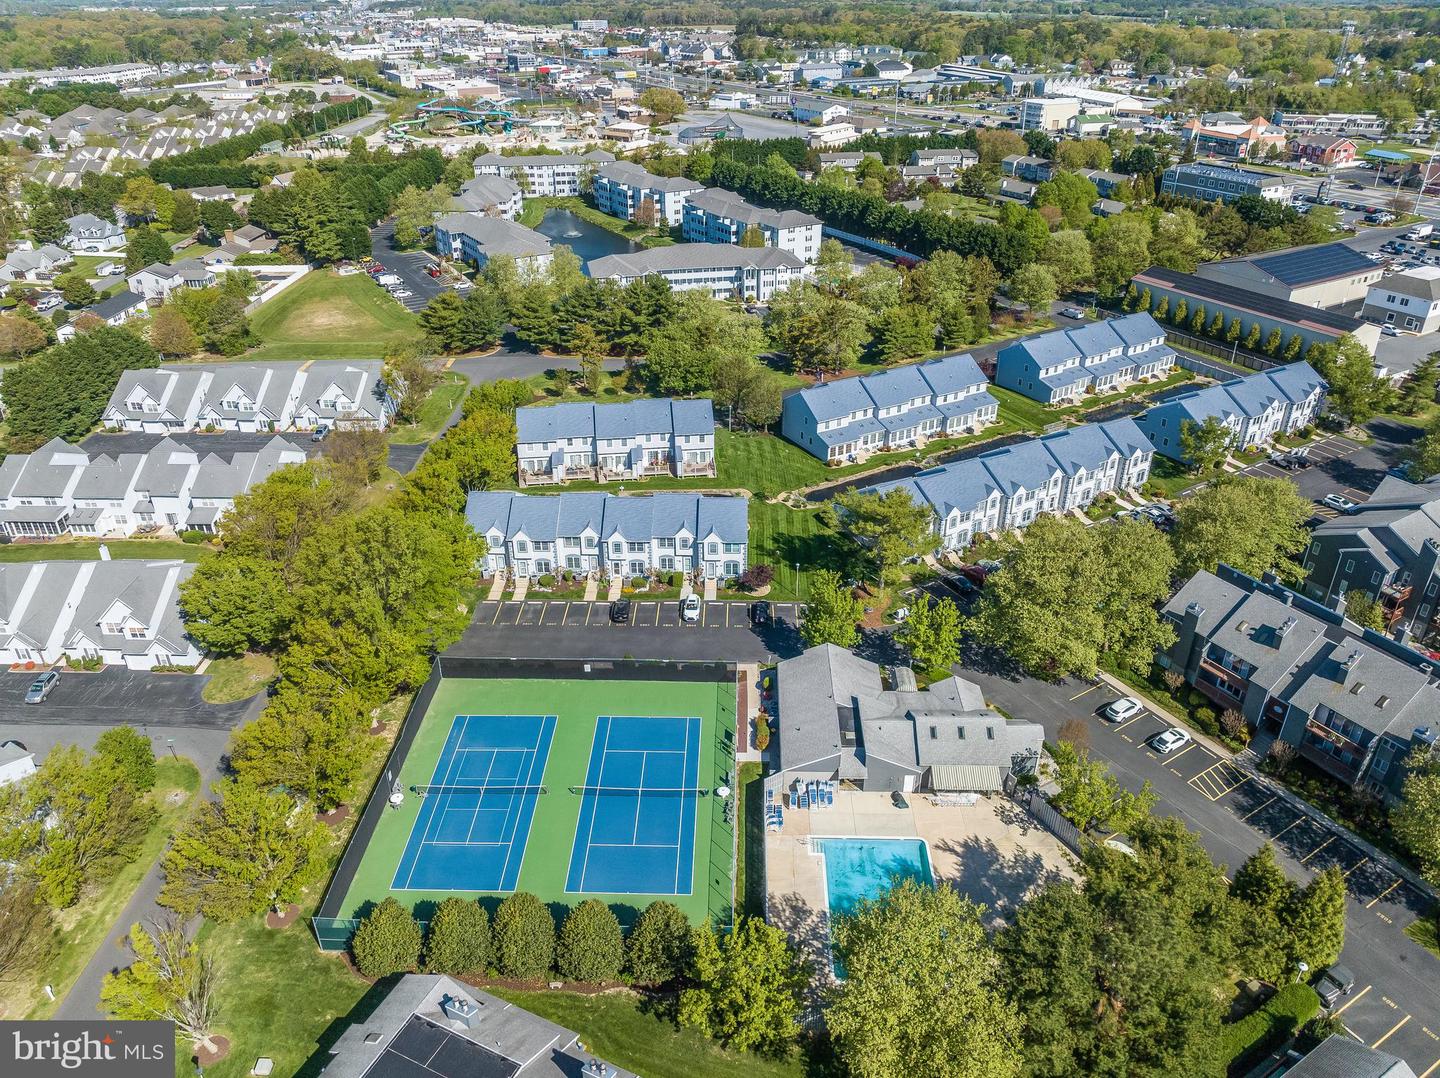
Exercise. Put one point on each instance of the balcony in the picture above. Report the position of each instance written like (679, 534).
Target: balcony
(1393, 598)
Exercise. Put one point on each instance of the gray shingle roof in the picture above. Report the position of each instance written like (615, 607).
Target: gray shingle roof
(683, 256)
(635, 517)
(547, 423)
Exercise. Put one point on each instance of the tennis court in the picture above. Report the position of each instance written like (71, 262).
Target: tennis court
(636, 832)
(471, 832)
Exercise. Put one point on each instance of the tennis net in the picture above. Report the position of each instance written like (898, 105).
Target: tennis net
(431, 791)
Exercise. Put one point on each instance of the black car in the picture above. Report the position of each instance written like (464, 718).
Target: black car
(1335, 983)
(620, 611)
(760, 613)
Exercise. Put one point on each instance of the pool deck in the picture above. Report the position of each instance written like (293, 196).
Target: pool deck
(992, 851)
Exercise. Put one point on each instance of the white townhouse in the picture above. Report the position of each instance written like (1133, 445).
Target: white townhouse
(490, 196)
(157, 280)
(1099, 357)
(1009, 487)
(476, 239)
(544, 174)
(87, 234)
(113, 310)
(251, 397)
(39, 264)
(625, 190)
(715, 215)
(1254, 408)
(125, 613)
(558, 443)
(611, 535)
(63, 488)
(954, 157)
(721, 270)
(849, 418)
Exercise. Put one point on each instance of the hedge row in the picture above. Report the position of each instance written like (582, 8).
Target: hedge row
(1281, 1016)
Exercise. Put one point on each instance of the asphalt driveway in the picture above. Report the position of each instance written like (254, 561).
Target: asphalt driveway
(114, 697)
(409, 266)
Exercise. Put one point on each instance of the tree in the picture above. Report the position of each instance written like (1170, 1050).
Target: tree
(748, 391)
(1356, 391)
(1033, 287)
(1418, 392)
(1252, 524)
(524, 933)
(1091, 798)
(1318, 920)
(20, 336)
(662, 103)
(218, 217)
(889, 529)
(752, 237)
(143, 247)
(414, 375)
(1136, 563)
(932, 635)
(658, 949)
(904, 955)
(1268, 896)
(27, 929)
(1205, 445)
(440, 319)
(905, 331)
(832, 613)
(47, 223)
(818, 331)
(415, 210)
(171, 335)
(184, 213)
(1364, 610)
(1067, 256)
(590, 946)
(1416, 819)
(131, 754)
(247, 851)
(171, 979)
(312, 750)
(746, 987)
(459, 938)
(356, 456)
(387, 941)
(235, 604)
(76, 289)
(482, 320)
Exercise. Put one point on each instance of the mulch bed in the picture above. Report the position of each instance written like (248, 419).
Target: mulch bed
(336, 816)
(282, 920)
(206, 1059)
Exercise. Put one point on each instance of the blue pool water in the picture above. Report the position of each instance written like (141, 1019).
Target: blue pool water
(865, 868)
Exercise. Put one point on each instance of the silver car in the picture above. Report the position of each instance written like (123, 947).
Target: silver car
(690, 608)
(1167, 741)
(42, 686)
(1124, 708)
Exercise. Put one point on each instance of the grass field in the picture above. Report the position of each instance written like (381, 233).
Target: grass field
(786, 538)
(327, 316)
(546, 855)
(237, 679)
(89, 550)
(433, 413)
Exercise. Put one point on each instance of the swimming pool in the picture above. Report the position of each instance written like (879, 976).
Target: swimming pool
(860, 868)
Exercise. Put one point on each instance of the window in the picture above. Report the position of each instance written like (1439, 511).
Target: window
(136, 632)
(112, 628)
(635, 548)
(522, 547)
(960, 731)
(990, 733)
(934, 733)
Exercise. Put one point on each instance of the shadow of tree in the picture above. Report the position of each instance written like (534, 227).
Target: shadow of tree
(1001, 882)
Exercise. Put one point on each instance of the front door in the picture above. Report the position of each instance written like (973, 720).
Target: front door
(909, 784)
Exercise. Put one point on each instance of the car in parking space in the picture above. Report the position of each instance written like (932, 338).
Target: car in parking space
(402, 293)
(42, 687)
(1334, 984)
(1127, 707)
(760, 613)
(1389, 331)
(690, 608)
(321, 433)
(1167, 741)
(620, 611)
(1339, 503)
(1074, 312)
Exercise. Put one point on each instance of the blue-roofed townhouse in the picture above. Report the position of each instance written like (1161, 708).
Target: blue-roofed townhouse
(611, 535)
(621, 189)
(1009, 487)
(1099, 357)
(1254, 408)
(851, 418)
(558, 443)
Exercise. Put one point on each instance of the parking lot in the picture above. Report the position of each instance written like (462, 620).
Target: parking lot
(409, 266)
(115, 695)
(644, 614)
(1340, 465)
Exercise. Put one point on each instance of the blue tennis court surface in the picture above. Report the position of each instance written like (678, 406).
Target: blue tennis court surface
(472, 838)
(636, 833)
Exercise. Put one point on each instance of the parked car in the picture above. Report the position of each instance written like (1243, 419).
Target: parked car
(320, 433)
(1167, 741)
(49, 301)
(760, 613)
(389, 279)
(401, 293)
(690, 608)
(1389, 331)
(1333, 984)
(42, 687)
(1339, 503)
(1074, 312)
(976, 574)
(1127, 707)
(433, 271)
(620, 611)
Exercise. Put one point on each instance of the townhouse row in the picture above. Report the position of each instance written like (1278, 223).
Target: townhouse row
(560, 174)
(532, 535)
(720, 270)
(124, 613)
(850, 418)
(1009, 487)
(1099, 357)
(63, 489)
(251, 397)
(477, 238)
(559, 443)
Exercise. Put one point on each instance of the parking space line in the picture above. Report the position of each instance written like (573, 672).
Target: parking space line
(1393, 1030)
(1255, 810)
(589, 609)
(1181, 753)
(496, 616)
(1298, 819)
(1318, 848)
(1137, 718)
(1353, 1000)
(1383, 893)
(1092, 688)
(1430, 1070)
(1363, 862)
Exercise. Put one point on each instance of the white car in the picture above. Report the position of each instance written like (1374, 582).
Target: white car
(402, 293)
(389, 279)
(690, 608)
(1127, 707)
(1167, 741)
(1389, 330)
(1338, 502)
(348, 271)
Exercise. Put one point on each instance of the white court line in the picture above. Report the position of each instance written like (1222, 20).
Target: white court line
(594, 806)
(420, 849)
(680, 814)
(514, 820)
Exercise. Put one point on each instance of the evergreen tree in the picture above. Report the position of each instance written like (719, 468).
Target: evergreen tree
(1318, 920)
(459, 938)
(658, 949)
(524, 936)
(590, 946)
(386, 941)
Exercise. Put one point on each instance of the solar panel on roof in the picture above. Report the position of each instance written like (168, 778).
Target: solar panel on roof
(1320, 263)
(424, 1050)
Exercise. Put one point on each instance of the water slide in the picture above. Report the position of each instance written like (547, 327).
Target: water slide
(475, 117)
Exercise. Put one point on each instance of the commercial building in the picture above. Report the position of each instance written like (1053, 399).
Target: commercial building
(850, 418)
(714, 215)
(1211, 183)
(629, 192)
(1409, 300)
(1099, 357)
(543, 174)
(558, 443)
(472, 238)
(1048, 113)
(827, 136)
(722, 270)
(817, 111)
(1353, 702)
(1009, 487)
(1365, 124)
(1227, 135)
(1388, 548)
(1254, 409)
(617, 535)
(1328, 151)
(838, 721)
(1321, 275)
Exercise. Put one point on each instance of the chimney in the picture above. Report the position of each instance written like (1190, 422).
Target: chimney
(1348, 667)
(459, 1009)
(597, 1068)
(229, 235)
(104, 552)
(1190, 622)
(1285, 627)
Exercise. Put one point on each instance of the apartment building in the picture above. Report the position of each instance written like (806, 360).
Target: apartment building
(1227, 135)
(1009, 487)
(1254, 409)
(491, 196)
(1351, 124)
(629, 192)
(254, 397)
(850, 418)
(722, 270)
(715, 215)
(124, 613)
(1099, 357)
(64, 489)
(1389, 548)
(849, 160)
(1211, 183)
(1409, 300)
(1027, 167)
(1352, 701)
(615, 535)
(544, 174)
(476, 239)
(1048, 113)
(956, 158)
(558, 443)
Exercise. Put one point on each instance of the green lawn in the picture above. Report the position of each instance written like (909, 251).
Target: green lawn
(750, 858)
(1426, 932)
(237, 679)
(784, 538)
(89, 549)
(433, 413)
(327, 316)
(83, 927)
(1172, 478)
(535, 209)
(619, 1030)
